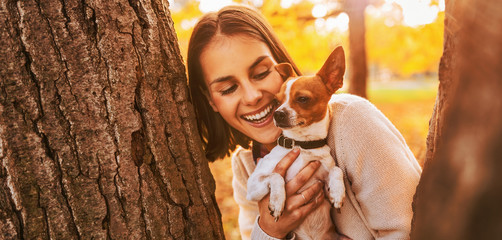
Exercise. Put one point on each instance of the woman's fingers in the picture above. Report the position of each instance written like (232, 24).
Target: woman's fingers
(286, 161)
(309, 195)
(306, 209)
(301, 178)
(294, 213)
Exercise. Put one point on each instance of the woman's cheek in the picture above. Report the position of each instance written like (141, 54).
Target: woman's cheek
(226, 106)
(218, 102)
(277, 82)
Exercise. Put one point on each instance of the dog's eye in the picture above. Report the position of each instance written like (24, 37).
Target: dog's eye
(302, 99)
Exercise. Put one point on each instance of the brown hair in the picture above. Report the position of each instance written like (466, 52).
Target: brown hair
(218, 137)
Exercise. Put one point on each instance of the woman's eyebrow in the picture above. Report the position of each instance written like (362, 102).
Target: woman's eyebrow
(226, 78)
(258, 61)
(220, 79)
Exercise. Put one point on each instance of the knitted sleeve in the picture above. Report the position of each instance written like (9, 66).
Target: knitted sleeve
(242, 167)
(259, 234)
(382, 171)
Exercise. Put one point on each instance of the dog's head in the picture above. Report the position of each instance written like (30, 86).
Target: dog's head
(304, 99)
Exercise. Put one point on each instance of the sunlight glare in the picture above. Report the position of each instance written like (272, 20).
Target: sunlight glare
(212, 5)
(416, 12)
(319, 11)
(441, 5)
(339, 23)
(257, 3)
(288, 3)
(175, 6)
(187, 24)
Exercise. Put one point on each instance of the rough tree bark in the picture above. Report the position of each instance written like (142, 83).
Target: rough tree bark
(446, 83)
(459, 194)
(97, 137)
(357, 43)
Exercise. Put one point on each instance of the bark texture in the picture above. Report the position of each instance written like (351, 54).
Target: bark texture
(358, 72)
(447, 73)
(459, 194)
(97, 137)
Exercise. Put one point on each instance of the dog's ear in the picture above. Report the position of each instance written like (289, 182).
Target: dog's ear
(333, 69)
(285, 70)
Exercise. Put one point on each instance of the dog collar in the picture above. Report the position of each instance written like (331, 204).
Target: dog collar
(290, 143)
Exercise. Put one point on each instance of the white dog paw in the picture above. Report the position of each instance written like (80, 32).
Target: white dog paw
(275, 211)
(277, 196)
(337, 197)
(336, 190)
(276, 204)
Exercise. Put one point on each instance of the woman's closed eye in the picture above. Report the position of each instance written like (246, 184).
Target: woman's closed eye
(262, 75)
(228, 90)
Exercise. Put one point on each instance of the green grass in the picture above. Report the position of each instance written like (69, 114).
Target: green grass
(397, 96)
(409, 110)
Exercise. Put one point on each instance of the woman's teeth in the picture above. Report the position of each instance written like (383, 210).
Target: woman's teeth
(259, 116)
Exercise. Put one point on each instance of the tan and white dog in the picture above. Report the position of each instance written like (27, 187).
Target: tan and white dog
(304, 116)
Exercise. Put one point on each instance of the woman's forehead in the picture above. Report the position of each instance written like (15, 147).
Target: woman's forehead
(223, 40)
(227, 55)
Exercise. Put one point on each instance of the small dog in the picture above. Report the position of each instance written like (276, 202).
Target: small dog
(304, 116)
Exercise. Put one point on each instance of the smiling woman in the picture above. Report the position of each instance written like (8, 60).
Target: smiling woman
(231, 54)
(241, 88)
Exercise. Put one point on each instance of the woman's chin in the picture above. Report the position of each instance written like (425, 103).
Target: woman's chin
(264, 132)
(269, 137)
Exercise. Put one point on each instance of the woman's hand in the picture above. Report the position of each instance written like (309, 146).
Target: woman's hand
(297, 206)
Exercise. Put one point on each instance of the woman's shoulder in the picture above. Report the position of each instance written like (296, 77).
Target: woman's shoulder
(241, 155)
(241, 152)
(242, 161)
(341, 100)
(353, 114)
(344, 103)
(345, 98)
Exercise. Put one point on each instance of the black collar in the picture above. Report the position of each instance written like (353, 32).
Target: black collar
(290, 143)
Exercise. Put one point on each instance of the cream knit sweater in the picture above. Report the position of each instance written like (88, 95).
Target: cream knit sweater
(381, 174)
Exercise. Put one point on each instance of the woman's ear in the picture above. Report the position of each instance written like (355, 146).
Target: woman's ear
(206, 94)
(285, 70)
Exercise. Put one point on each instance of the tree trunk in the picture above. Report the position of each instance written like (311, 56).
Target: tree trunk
(447, 75)
(358, 69)
(97, 136)
(459, 194)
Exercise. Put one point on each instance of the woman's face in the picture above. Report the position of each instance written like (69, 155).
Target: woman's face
(242, 81)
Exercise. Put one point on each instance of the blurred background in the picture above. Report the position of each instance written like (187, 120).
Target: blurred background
(404, 43)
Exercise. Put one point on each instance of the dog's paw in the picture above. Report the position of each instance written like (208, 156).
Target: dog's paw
(274, 213)
(336, 197)
(336, 187)
(276, 206)
(277, 196)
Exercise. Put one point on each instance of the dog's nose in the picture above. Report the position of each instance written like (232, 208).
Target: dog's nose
(280, 116)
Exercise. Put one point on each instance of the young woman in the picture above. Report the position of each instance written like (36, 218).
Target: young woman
(232, 80)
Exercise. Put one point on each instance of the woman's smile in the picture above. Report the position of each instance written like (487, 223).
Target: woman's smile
(262, 116)
(242, 82)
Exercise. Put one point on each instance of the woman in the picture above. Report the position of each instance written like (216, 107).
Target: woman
(231, 59)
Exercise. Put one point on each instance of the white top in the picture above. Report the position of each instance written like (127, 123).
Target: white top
(381, 174)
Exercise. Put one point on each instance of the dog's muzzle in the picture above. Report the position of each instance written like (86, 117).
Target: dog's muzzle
(281, 119)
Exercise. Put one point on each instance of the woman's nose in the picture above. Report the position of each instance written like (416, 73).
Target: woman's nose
(252, 94)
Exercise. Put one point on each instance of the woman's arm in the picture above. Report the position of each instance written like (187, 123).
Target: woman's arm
(242, 167)
(382, 171)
